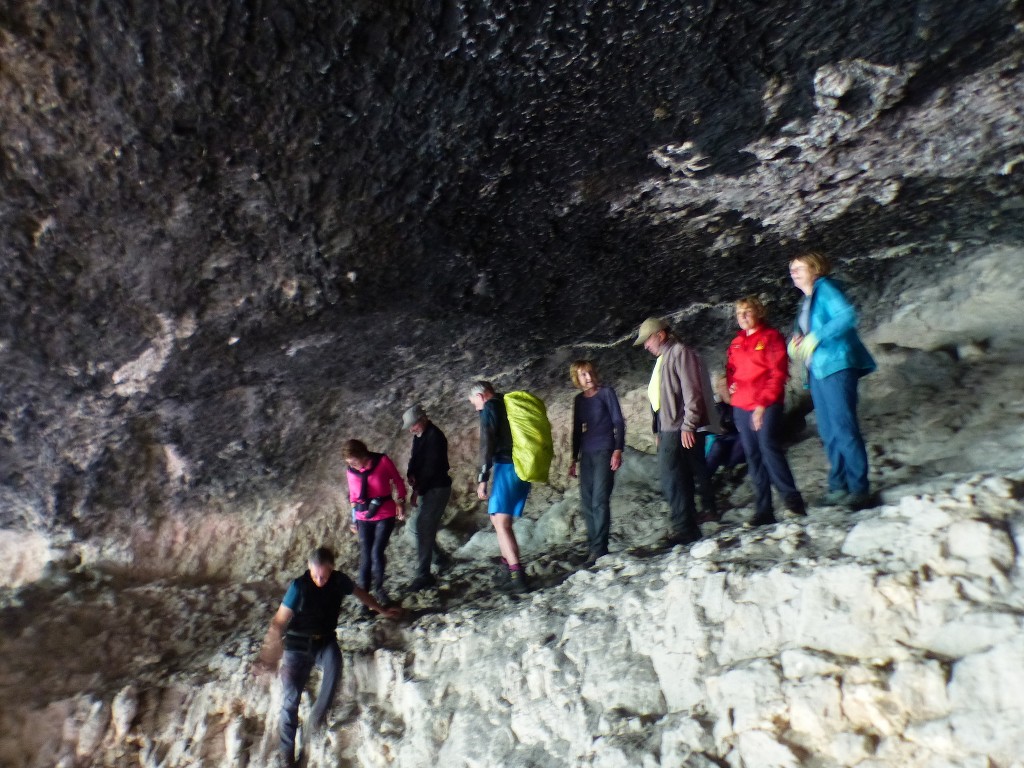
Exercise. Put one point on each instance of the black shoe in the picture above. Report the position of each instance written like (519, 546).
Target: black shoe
(765, 519)
(858, 501)
(442, 560)
(708, 517)
(381, 597)
(678, 537)
(593, 556)
(422, 582)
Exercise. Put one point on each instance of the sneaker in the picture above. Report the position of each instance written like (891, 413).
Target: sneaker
(381, 597)
(857, 501)
(833, 499)
(422, 582)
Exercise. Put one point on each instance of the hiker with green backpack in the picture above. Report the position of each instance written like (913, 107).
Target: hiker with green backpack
(515, 446)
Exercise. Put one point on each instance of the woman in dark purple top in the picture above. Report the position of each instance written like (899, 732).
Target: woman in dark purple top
(598, 437)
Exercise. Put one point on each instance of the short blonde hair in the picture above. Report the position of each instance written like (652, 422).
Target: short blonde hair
(816, 261)
(578, 367)
(754, 304)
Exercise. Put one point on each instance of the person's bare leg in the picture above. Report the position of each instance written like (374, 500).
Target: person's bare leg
(506, 538)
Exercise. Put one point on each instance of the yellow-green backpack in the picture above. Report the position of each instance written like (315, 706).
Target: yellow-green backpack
(532, 447)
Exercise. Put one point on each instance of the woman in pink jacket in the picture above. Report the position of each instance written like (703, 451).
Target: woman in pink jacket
(372, 480)
(756, 373)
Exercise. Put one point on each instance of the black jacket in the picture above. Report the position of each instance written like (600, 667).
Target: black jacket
(428, 463)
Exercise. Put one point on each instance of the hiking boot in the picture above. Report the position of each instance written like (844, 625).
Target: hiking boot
(858, 501)
(422, 582)
(501, 575)
(795, 506)
(833, 499)
(516, 582)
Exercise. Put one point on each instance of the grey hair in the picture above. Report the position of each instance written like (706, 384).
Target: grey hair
(480, 387)
(321, 556)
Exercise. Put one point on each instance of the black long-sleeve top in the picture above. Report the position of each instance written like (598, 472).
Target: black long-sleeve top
(495, 437)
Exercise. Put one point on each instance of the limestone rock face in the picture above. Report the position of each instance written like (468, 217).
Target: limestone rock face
(816, 639)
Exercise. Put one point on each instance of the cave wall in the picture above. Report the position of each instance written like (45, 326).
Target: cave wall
(235, 234)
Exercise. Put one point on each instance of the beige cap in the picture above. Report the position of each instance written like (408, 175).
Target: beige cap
(648, 328)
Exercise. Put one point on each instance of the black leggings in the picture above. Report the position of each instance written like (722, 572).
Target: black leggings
(373, 540)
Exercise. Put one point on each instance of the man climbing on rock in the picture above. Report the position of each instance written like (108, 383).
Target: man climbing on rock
(683, 405)
(507, 498)
(430, 481)
(303, 633)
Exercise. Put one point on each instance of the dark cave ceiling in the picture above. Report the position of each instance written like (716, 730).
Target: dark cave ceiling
(211, 181)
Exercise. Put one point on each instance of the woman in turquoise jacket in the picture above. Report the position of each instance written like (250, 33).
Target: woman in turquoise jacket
(827, 342)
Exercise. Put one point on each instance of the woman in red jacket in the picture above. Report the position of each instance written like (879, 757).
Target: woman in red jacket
(756, 373)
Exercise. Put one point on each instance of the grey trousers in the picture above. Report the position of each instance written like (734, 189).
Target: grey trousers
(428, 520)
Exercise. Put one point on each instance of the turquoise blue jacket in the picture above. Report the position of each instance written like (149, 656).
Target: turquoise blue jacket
(833, 320)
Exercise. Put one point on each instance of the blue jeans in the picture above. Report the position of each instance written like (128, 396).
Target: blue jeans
(835, 402)
(428, 520)
(295, 669)
(373, 541)
(766, 459)
(596, 483)
(682, 470)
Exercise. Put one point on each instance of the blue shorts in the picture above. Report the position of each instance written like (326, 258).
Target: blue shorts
(508, 492)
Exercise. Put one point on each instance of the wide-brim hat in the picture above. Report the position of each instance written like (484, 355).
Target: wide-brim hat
(412, 415)
(648, 328)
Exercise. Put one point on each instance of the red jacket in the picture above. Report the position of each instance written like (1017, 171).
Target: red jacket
(758, 367)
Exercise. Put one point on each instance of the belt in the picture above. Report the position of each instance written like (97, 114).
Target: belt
(304, 642)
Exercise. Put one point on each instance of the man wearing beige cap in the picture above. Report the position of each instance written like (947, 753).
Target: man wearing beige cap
(681, 396)
(429, 478)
